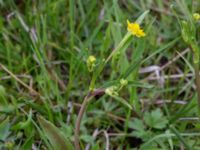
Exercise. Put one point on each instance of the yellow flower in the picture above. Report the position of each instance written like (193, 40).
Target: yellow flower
(196, 16)
(135, 29)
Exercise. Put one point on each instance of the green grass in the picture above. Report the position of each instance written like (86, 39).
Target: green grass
(44, 76)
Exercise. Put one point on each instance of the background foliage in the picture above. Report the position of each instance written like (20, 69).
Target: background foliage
(44, 77)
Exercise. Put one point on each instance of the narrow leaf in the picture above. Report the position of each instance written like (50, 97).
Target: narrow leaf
(54, 135)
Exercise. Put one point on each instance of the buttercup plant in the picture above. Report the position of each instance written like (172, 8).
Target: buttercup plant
(133, 29)
(100, 75)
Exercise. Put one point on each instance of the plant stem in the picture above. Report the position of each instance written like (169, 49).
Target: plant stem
(178, 135)
(90, 95)
(197, 79)
(78, 122)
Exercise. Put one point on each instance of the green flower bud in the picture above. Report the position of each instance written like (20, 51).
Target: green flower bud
(91, 63)
(196, 16)
(112, 91)
(123, 82)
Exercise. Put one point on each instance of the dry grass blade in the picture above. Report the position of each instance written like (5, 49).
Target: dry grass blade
(32, 91)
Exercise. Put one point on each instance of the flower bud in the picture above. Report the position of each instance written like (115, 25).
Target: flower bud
(123, 82)
(196, 16)
(91, 63)
(111, 91)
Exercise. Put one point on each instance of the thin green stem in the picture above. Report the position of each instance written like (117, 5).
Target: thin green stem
(197, 79)
(178, 135)
(103, 64)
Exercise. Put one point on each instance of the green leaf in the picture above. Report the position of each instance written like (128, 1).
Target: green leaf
(155, 119)
(139, 84)
(2, 91)
(130, 69)
(169, 139)
(142, 16)
(7, 108)
(142, 134)
(28, 144)
(96, 147)
(136, 124)
(161, 49)
(4, 129)
(139, 129)
(25, 124)
(54, 135)
(123, 101)
(87, 138)
(3, 95)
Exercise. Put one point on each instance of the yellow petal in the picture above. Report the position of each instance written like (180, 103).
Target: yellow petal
(135, 29)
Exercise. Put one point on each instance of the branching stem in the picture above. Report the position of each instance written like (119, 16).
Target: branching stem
(99, 93)
(197, 79)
